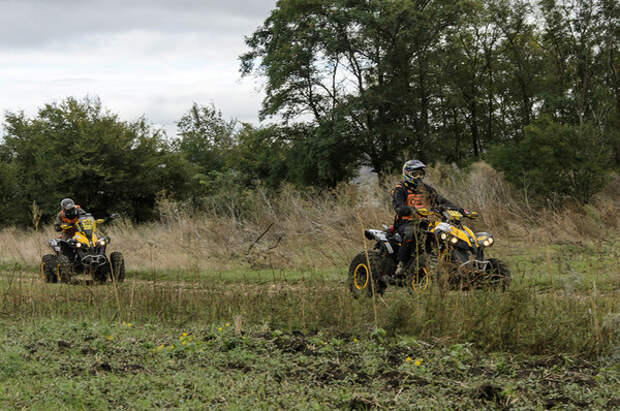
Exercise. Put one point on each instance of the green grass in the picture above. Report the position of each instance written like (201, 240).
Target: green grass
(242, 275)
(302, 341)
(54, 363)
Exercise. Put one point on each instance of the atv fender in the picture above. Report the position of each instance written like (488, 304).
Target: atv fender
(381, 238)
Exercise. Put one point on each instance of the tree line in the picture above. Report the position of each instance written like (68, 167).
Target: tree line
(531, 87)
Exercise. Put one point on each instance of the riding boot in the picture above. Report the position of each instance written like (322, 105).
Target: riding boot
(399, 269)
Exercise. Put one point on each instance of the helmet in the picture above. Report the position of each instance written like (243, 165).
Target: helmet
(68, 207)
(413, 171)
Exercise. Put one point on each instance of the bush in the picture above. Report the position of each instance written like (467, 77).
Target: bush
(556, 161)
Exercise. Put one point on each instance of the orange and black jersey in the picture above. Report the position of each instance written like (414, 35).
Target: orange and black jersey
(405, 197)
(61, 219)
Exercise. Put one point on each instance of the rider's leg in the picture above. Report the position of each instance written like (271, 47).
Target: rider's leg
(407, 232)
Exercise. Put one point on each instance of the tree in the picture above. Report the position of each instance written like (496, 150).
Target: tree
(78, 149)
(582, 60)
(204, 136)
(555, 161)
(364, 68)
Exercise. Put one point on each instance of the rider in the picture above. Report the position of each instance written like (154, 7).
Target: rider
(69, 214)
(410, 194)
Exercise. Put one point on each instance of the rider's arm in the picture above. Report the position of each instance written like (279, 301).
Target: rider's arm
(438, 201)
(399, 202)
(57, 223)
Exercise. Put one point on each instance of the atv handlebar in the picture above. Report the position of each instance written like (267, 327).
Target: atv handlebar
(444, 212)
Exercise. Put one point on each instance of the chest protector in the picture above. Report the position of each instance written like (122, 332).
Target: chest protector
(70, 220)
(415, 199)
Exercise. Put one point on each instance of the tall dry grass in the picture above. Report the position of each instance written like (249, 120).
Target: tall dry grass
(313, 229)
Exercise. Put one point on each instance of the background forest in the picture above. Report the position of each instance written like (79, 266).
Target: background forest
(531, 87)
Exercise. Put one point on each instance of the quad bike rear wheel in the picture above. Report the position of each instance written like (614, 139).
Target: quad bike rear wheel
(117, 267)
(360, 275)
(49, 268)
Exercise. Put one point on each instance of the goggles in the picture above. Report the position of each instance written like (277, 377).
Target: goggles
(415, 173)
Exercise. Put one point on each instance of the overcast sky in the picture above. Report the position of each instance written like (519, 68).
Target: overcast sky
(141, 57)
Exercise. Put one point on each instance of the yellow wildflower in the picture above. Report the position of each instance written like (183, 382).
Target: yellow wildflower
(418, 362)
(227, 324)
(128, 324)
(110, 337)
(184, 342)
(408, 359)
(184, 335)
(355, 340)
(219, 329)
(161, 347)
(172, 347)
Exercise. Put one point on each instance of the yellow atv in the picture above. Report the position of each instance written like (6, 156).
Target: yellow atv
(449, 248)
(458, 252)
(83, 257)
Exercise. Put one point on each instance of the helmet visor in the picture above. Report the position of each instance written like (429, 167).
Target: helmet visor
(71, 213)
(414, 174)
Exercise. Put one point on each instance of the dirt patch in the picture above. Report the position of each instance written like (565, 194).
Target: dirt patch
(359, 402)
(489, 392)
(102, 366)
(64, 344)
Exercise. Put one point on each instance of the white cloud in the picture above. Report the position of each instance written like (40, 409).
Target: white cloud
(152, 58)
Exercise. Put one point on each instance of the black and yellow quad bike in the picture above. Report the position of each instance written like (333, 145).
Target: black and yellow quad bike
(379, 264)
(83, 257)
(449, 249)
(456, 253)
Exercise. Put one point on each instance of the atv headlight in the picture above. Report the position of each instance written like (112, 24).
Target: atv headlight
(485, 239)
(102, 242)
(454, 240)
(78, 245)
(443, 236)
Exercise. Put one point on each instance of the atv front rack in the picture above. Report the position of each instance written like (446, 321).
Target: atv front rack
(98, 260)
(474, 266)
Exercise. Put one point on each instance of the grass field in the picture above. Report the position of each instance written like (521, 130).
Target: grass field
(296, 339)
(229, 313)
(53, 363)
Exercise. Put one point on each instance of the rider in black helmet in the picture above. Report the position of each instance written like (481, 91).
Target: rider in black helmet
(69, 214)
(410, 194)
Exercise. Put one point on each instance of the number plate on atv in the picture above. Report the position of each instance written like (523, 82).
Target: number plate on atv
(87, 224)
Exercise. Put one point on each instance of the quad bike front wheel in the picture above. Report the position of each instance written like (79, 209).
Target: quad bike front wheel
(64, 268)
(49, 268)
(498, 275)
(418, 278)
(117, 267)
(364, 279)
